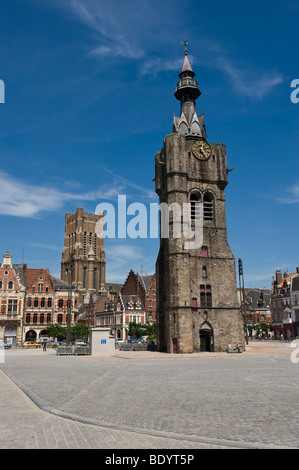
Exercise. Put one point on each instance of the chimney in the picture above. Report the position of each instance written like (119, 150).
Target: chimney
(297, 269)
(278, 275)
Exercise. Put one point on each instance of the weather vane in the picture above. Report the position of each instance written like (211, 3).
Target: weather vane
(185, 43)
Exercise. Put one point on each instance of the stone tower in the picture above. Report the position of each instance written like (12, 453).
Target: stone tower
(197, 306)
(89, 265)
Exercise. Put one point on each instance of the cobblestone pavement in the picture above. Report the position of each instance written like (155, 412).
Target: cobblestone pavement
(148, 400)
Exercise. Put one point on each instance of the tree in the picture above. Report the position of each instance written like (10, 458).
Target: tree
(56, 331)
(79, 330)
(262, 329)
(141, 329)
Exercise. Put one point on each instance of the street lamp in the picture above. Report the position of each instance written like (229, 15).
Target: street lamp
(69, 301)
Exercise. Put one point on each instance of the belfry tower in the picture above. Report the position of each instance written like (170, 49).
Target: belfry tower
(197, 306)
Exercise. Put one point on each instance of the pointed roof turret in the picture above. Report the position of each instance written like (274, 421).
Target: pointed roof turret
(186, 67)
(187, 92)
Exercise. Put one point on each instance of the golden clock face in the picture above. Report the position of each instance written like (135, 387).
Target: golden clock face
(201, 150)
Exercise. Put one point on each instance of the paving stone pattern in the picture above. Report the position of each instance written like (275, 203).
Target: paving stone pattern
(239, 397)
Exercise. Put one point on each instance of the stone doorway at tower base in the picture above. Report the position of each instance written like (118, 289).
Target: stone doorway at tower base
(206, 340)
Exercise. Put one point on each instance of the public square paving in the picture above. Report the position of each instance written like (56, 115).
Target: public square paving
(248, 398)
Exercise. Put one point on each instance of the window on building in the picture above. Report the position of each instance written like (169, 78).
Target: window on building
(204, 251)
(43, 302)
(84, 278)
(29, 302)
(194, 207)
(41, 318)
(95, 244)
(60, 303)
(1, 284)
(12, 307)
(35, 318)
(59, 318)
(50, 302)
(28, 318)
(194, 303)
(205, 295)
(84, 244)
(10, 285)
(209, 299)
(208, 207)
(94, 278)
(49, 318)
(35, 302)
(40, 287)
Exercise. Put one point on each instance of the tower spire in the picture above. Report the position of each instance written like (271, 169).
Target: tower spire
(187, 92)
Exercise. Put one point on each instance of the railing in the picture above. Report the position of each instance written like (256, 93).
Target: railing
(186, 82)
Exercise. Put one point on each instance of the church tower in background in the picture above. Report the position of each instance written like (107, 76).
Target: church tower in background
(197, 306)
(81, 241)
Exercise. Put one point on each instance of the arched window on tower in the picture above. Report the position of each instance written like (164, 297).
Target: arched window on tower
(194, 199)
(95, 245)
(84, 277)
(208, 212)
(84, 244)
(94, 277)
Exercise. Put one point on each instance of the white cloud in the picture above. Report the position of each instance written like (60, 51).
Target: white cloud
(24, 200)
(124, 252)
(252, 83)
(20, 199)
(157, 65)
(293, 198)
(115, 24)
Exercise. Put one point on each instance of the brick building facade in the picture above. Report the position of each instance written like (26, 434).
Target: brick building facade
(47, 301)
(12, 299)
(119, 312)
(281, 305)
(144, 286)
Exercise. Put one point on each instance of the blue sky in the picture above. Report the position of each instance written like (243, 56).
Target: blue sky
(89, 98)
